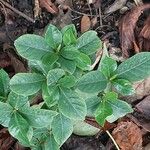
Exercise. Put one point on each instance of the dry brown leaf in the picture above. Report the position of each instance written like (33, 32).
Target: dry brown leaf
(85, 24)
(49, 6)
(127, 26)
(128, 136)
(144, 36)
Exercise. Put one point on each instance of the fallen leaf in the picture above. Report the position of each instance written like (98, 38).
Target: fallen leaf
(94, 21)
(49, 6)
(128, 136)
(144, 36)
(126, 29)
(85, 24)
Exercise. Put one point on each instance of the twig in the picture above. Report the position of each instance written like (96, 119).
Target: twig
(89, 8)
(113, 140)
(100, 16)
(17, 11)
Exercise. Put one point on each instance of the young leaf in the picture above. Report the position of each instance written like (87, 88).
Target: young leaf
(123, 86)
(88, 43)
(53, 36)
(83, 61)
(69, 34)
(4, 85)
(26, 83)
(71, 105)
(67, 65)
(50, 143)
(120, 109)
(20, 129)
(135, 68)
(54, 75)
(32, 47)
(17, 101)
(93, 81)
(50, 59)
(108, 66)
(62, 128)
(104, 110)
(67, 81)
(70, 52)
(5, 114)
(50, 97)
(38, 118)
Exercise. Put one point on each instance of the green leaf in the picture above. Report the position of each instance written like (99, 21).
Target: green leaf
(89, 42)
(104, 110)
(32, 47)
(135, 68)
(109, 96)
(17, 101)
(5, 113)
(50, 143)
(69, 34)
(83, 61)
(93, 81)
(38, 118)
(26, 83)
(50, 97)
(4, 85)
(54, 75)
(50, 59)
(70, 52)
(123, 86)
(67, 81)
(92, 104)
(71, 105)
(67, 65)
(108, 66)
(62, 128)
(53, 36)
(120, 109)
(20, 129)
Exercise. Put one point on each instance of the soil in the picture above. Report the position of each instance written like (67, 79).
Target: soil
(12, 25)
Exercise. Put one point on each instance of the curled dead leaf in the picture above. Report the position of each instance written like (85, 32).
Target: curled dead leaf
(49, 6)
(128, 136)
(85, 24)
(126, 29)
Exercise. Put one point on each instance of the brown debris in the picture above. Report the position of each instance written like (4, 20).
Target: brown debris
(128, 136)
(126, 28)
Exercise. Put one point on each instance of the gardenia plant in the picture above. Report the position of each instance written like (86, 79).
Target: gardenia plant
(60, 71)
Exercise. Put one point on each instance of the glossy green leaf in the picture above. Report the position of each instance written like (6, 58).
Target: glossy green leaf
(67, 65)
(20, 129)
(120, 109)
(109, 96)
(89, 42)
(5, 113)
(32, 47)
(69, 34)
(17, 101)
(83, 61)
(93, 81)
(123, 86)
(50, 143)
(50, 96)
(108, 66)
(54, 75)
(26, 83)
(4, 85)
(104, 110)
(67, 81)
(62, 128)
(135, 68)
(38, 118)
(70, 52)
(71, 105)
(53, 36)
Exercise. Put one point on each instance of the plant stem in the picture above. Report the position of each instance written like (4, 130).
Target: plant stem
(113, 140)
